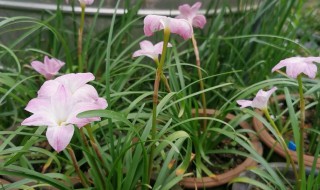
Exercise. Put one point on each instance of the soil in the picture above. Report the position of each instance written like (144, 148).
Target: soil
(223, 162)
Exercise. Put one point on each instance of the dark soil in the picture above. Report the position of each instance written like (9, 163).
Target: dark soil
(223, 162)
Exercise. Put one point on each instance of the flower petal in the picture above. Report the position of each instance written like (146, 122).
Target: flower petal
(159, 46)
(281, 64)
(199, 21)
(195, 7)
(262, 98)
(48, 88)
(74, 81)
(310, 70)
(39, 119)
(59, 136)
(62, 103)
(154, 23)
(181, 27)
(244, 103)
(53, 65)
(146, 45)
(86, 2)
(185, 11)
(38, 105)
(40, 68)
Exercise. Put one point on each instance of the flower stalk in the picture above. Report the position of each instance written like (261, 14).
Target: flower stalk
(94, 144)
(80, 37)
(203, 95)
(76, 166)
(282, 142)
(159, 72)
(163, 77)
(301, 140)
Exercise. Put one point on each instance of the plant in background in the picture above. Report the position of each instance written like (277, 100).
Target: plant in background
(48, 68)
(295, 68)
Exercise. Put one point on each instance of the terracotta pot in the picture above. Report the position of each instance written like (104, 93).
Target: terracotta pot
(193, 182)
(277, 166)
(269, 140)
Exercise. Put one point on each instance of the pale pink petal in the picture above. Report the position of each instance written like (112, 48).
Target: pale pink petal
(195, 7)
(297, 65)
(38, 105)
(49, 68)
(281, 64)
(40, 68)
(48, 88)
(86, 2)
(180, 27)
(190, 14)
(39, 119)
(185, 11)
(262, 98)
(199, 21)
(312, 59)
(146, 45)
(293, 69)
(244, 103)
(53, 65)
(139, 53)
(310, 70)
(89, 94)
(147, 49)
(61, 102)
(152, 23)
(74, 81)
(59, 136)
(82, 107)
(159, 46)
(260, 101)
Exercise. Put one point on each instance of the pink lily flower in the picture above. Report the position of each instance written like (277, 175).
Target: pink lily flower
(86, 2)
(48, 68)
(150, 50)
(154, 23)
(260, 101)
(190, 14)
(297, 65)
(59, 107)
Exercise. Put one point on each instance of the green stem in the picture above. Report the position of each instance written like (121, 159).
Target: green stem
(80, 35)
(301, 132)
(163, 77)
(76, 166)
(282, 142)
(159, 72)
(203, 96)
(94, 144)
(48, 163)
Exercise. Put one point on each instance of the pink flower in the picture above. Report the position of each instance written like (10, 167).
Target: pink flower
(297, 65)
(190, 14)
(86, 2)
(260, 101)
(58, 107)
(150, 50)
(154, 23)
(48, 68)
